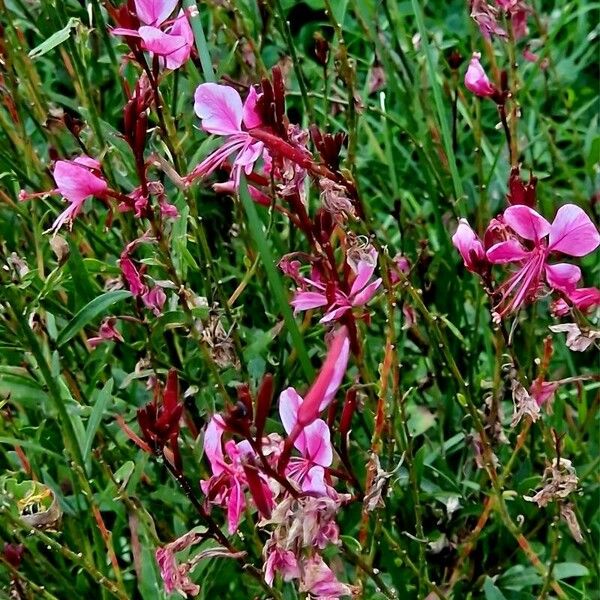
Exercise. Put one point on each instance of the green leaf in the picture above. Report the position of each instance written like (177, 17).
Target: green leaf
(55, 39)
(258, 234)
(568, 569)
(97, 412)
(89, 312)
(491, 591)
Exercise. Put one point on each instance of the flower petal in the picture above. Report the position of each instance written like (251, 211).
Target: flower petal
(289, 403)
(75, 181)
(573, 232)
(367, 293)
(154, 12)
(509, 251)
(526, 222)
(318, 443)
(219, 107)
(308, 300)
(563, 276)
(364, 271)
(212, 445)
(173, 47)
(252, 117)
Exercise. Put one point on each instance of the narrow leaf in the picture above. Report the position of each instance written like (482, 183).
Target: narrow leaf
(55, 39)
(89, 312)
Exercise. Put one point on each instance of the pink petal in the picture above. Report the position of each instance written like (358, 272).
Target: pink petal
(586, 298)
(467, 242)
(476, 80)
(182, 27)
(289, 403)
(75, 181)
(212, 445)
(219, 107)
(328, 380)
(573, 232)
(334, 315)
(563, 277)
(125, 31)
(173, 47)
(235, 506)
(505, 252)
(154, 12)
(367, 293)
(252, 117)
(526, 222)
(308, 300)
(314, 481)
(364, 272)
(318, 443)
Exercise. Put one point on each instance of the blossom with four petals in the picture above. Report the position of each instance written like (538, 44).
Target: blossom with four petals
(571, 233)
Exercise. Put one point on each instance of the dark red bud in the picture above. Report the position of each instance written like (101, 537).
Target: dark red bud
(264, 397)
(257, 488)
(321, 49)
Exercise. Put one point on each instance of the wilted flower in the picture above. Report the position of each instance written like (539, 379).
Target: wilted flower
(577, 340)
(520, 192)
(567, 514)
(559, 481)
(378, 478)
(159, 419)
(320, 582)
(106, 332)
(524, 404)
(279, 560)
(486, 17)
(176, 575)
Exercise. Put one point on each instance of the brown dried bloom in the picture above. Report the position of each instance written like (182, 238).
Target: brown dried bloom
(335, 200)
(568, 515)
(378, 478)
(524, 404)
(219, 342)
(559, 481)
(577, 340)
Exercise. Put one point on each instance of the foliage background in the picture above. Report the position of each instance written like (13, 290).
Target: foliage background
(413, 189)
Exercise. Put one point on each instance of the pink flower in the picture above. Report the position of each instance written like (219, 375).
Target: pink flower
(76, 180)
(361, 292)
(106, 332)
(132, 276)
(469, 245)
(476, 80)
(486, 17)
(313, 443)
(572, 233)
(174, 575)
(171, 40)
(228, 482)
(584, 299)
(280, 560)
(222, 113)
(543, 391)
(320, 582)
(154, 299)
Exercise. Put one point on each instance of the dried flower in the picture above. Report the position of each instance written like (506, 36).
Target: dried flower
(577, 340)
(559, 481)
